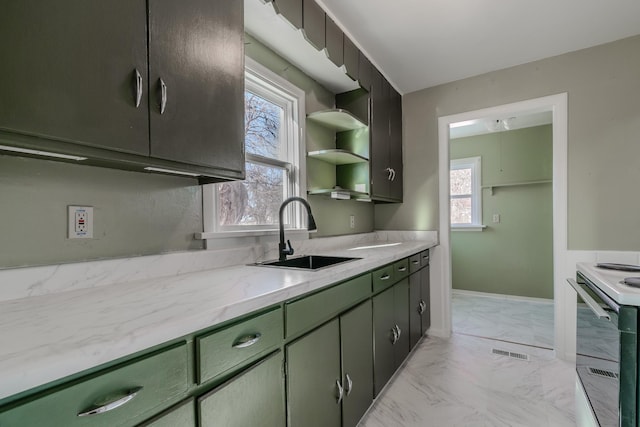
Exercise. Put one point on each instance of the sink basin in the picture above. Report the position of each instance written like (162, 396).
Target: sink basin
(307, 262)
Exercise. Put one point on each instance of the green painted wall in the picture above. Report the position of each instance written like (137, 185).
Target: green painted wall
(603, 86)
(332, 216)
(514, 256)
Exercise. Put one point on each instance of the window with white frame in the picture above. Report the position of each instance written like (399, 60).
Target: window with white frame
(273, 112)
(465, 192)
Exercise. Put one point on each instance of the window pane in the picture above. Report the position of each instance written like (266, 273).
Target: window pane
(461, 210)
(262, 125)
(255, 201)
(460, 180)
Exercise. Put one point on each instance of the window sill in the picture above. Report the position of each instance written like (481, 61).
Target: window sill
(303, 233)
(470, 227)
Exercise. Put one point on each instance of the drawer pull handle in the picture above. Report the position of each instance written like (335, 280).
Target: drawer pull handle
(415, 261)
(399, 331)
(385, 277)
(138, 78)
(340, 391)
(403, 268)
(111, 405)
(247, 340)
(349, 385)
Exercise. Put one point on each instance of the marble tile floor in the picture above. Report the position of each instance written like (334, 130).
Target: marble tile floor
(460, 382)
(519, 321)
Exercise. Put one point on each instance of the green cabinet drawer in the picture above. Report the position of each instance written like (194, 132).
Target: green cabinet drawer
(383, 277)
(424, 258)
(253, 398)
(230, 347)
(414, 263)
(181, 415)
(310, 311)
(158, 379)
(401, 269)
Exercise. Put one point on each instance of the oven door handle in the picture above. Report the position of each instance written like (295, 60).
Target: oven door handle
(593, 305)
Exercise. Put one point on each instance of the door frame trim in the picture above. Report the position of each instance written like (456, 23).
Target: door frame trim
(441, 260)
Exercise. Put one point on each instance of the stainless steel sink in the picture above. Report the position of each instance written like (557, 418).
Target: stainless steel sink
(307, 262)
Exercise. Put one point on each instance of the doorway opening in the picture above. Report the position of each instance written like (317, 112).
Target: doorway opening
(556, 105)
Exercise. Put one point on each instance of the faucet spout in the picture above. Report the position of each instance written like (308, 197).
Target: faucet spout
(283, 251)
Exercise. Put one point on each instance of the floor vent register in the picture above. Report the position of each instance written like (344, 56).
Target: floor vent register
(519, 356)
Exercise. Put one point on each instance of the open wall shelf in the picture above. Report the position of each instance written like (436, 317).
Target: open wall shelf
(337, 119)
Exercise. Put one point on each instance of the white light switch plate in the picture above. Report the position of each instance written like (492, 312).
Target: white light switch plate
(80, 222)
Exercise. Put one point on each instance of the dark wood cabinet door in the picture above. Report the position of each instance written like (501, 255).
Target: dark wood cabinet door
(415, 319)
(395, 145)
(313, 24)
(383, 338)
(313, 370)
(379, 134)
(334, 41)
(291, 10)
(68, 72)
(401, 314)
(357, 362)
(365, 70)
(196, 58)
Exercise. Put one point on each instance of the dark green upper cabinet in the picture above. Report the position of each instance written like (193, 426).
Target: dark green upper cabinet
(365, 70)
(69, 72)
(334, 42)
(351, 58)
(313, 24)
(291, 10)
(386, 141)
(90, 79)
(196, 82)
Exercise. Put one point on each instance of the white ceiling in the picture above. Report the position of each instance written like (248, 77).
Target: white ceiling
(423, 43)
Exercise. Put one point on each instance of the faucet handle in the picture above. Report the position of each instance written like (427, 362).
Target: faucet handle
(290, 250)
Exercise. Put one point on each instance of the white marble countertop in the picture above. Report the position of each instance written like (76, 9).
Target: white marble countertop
(609, 281)
(48, 337)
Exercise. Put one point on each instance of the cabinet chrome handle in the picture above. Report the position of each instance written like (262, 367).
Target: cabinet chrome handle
(163, 96)
(111, 405)
(593, 305)
(385, 277)
(422, 307)
(393, 174)
(138, 78)
(399, 331)
(247, 340)
(349, 385)
(389, 170)
(395, 337)
(402, 269)
(340, 391)
(415, 261)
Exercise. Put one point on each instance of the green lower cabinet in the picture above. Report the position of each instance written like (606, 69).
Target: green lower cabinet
(357, 363)
(415, 309)
(314, 378)
(401, 315)
(253, 398)
(123, 395)
(181, 415)
(390, 331)
(384, 338)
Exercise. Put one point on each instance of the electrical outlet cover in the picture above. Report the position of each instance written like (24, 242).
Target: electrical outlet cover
(80, 222)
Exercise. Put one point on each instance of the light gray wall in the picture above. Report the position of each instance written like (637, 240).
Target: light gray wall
(603, 86)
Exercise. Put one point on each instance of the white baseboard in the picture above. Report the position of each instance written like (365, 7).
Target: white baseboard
(502, 296)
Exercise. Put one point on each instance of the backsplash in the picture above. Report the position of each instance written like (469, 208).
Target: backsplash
(35, 281)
